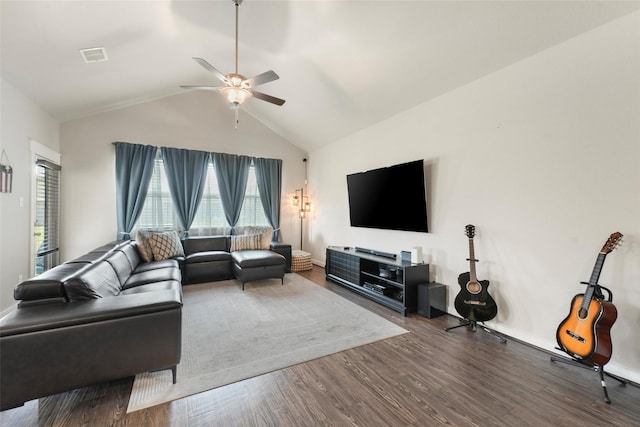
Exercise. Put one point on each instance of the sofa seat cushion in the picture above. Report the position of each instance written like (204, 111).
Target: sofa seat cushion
(257, 258)
(152, 276)
(154, 287)
(207, 256)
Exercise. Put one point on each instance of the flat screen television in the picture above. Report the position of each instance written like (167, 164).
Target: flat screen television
(392, 198)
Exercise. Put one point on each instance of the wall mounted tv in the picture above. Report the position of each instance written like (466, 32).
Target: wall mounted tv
(392, 198)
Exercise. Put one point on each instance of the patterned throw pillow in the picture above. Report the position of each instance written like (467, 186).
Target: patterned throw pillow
(265, 233)
(142, 240)
(165, 245)
(245, 242)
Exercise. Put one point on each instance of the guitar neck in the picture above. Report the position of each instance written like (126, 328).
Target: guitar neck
(593, 281)
(472, 261)
(597, 269)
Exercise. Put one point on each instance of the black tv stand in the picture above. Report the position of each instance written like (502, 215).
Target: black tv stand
(376, 253)
(386, 280)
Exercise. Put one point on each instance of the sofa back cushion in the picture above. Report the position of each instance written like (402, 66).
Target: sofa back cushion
(132, 254)
(205, 244)
(99, 253)
(98, 280)
(246, 242)
(121, 265)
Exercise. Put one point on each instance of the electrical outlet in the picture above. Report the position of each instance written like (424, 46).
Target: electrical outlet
(19, 278)
(22, 202)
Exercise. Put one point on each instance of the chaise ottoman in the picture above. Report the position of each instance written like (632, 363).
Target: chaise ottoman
(250, 265)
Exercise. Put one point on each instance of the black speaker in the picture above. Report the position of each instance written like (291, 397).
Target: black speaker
(432, 299)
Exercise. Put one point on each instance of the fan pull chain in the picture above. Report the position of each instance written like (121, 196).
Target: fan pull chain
(237, 121)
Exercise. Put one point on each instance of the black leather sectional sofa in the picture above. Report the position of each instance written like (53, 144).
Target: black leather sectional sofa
(108, 314)
(102, 316)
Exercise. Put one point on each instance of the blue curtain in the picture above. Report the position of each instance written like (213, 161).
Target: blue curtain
(186, 175)
(269, 177)
(232, 172)
(134, 167)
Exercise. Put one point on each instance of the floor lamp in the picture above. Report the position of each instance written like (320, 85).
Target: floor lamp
(302, 202)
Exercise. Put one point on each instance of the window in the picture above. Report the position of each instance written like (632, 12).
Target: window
(47, 220)
(158, 212)
(210, 212)
(252, 212)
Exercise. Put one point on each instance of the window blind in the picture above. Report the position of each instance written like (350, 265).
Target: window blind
(47, 225)
(158, 212)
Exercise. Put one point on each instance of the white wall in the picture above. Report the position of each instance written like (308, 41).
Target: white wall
(194, 120)
(544, 158)
(21, 120)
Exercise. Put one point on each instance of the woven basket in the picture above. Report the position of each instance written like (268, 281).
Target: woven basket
(300, 261)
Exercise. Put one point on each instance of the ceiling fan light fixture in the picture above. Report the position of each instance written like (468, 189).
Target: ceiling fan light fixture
(237, 87)
(236, 80)
(235, 95)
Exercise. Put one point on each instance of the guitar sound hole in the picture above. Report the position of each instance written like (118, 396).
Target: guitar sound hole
(583, 314)
(474, 287)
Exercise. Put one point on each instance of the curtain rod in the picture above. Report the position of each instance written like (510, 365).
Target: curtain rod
(189, 149)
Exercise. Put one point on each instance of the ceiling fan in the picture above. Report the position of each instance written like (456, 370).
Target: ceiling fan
(237, 88)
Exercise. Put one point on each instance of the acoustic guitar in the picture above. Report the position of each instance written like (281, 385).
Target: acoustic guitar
(585, 333)
(473, 302)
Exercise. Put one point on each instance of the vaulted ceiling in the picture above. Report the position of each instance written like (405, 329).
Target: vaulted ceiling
(343, 65)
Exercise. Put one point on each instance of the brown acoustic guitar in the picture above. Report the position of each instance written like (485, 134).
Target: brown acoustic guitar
(585, 333)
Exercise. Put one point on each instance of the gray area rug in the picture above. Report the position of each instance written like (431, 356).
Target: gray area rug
(229, 335)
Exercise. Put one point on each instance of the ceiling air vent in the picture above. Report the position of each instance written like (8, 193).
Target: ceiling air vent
(94, 54)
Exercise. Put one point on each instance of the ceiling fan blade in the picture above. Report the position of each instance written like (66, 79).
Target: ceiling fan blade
(268, 98)
(213, 69)
(266, 77)
(201, 87)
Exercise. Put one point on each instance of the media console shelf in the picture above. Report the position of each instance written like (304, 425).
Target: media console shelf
(388, 281)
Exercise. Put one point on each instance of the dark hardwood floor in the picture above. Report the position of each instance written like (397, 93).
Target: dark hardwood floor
(427, 377)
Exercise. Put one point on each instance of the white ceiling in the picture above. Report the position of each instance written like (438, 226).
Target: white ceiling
(343, 65)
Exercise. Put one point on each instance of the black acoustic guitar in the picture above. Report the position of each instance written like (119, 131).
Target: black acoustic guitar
(473, 302)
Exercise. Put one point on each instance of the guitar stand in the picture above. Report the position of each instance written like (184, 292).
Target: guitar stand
(473, 325)
(595, 368)
(597, 292)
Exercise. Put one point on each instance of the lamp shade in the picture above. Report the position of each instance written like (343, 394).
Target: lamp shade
(235, 95)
